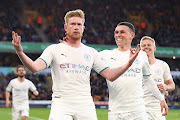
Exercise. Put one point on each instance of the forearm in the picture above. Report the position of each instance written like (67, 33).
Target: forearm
(113, 74)
(151, 85)
(33, 66)
(7, 95)
(170, 87)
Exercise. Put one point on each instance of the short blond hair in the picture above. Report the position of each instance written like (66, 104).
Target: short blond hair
(74, 13)
(149, 38)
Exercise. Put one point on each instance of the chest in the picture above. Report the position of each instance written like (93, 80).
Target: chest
(19, 87)
(157, 73)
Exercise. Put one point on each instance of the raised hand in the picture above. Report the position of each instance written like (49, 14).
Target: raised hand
(17, 42)
(133, 54)
(64, 39)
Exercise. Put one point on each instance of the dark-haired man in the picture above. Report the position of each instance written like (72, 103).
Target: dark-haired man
(126, 93)
(20, 87)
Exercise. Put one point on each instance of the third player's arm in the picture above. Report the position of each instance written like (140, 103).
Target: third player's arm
(169, 87)
(151, 85)
(33, 66)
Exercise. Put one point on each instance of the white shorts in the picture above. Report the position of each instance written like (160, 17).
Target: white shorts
(155, 116)
(17, 113)
(135, 115)
(72, 109)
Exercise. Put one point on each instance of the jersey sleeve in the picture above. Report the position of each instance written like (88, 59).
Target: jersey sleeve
(99, 65)
(47, 55)
(167, 74)
(9, 87)
(32, 86)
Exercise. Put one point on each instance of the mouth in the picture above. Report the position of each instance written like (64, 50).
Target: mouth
(146, 50)
(76, 32)
(119, 39)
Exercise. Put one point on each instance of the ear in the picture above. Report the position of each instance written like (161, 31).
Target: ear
(154, 48)
(133, 35)
(83, 28)
(65, 27)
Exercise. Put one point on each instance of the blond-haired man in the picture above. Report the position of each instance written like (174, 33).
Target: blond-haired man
(71, 63)
(161, 74)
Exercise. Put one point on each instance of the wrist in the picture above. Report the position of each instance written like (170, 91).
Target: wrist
(166, 87)
(19, 53)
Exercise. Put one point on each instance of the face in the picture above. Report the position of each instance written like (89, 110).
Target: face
(21, 72)
(148, 46)
(123, 35)
(74, 28)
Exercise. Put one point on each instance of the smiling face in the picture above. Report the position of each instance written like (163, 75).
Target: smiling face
(148, 46)
(123, 35)
(74, 28)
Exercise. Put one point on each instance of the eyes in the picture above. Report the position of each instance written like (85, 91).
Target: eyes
(146, 45)
(117, 32)
(79, 24)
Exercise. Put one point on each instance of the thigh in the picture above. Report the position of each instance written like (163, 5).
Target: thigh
(86, 112)
(138, 115)
(155, 116)
(16, 114)
(60, 110)
(25, 112)
(61, 116)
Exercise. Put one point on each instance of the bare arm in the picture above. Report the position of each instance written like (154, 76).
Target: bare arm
(169, 87)
(113, 74)
(8, 103)
(33, 66)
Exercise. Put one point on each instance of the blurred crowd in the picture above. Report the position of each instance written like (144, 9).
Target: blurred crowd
(35, 20)
(43, 82)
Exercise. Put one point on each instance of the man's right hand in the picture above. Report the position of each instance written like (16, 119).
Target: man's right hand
(8, 103)
(17, 42)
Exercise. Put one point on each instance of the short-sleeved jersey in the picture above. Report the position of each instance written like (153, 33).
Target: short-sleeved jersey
(71, 67)
(160, 73)
(126, 93)
(20, 92)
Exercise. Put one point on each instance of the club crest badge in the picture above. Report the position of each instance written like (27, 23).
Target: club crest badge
(87, 57)
(158, 72)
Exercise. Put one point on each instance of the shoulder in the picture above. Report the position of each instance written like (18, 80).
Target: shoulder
(14, 80)
(54, 46)
(142, 53)
(106, 52)
(162, 63)
(88, 49)
(28, 81)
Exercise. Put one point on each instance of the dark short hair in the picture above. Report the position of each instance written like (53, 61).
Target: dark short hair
(131, 26)
(20, 66)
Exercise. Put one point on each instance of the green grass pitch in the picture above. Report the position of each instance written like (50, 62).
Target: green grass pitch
(43, 113)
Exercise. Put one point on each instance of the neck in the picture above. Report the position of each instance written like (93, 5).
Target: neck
(151, 59)
(124, 48)
(73, 43)
(21, 79)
